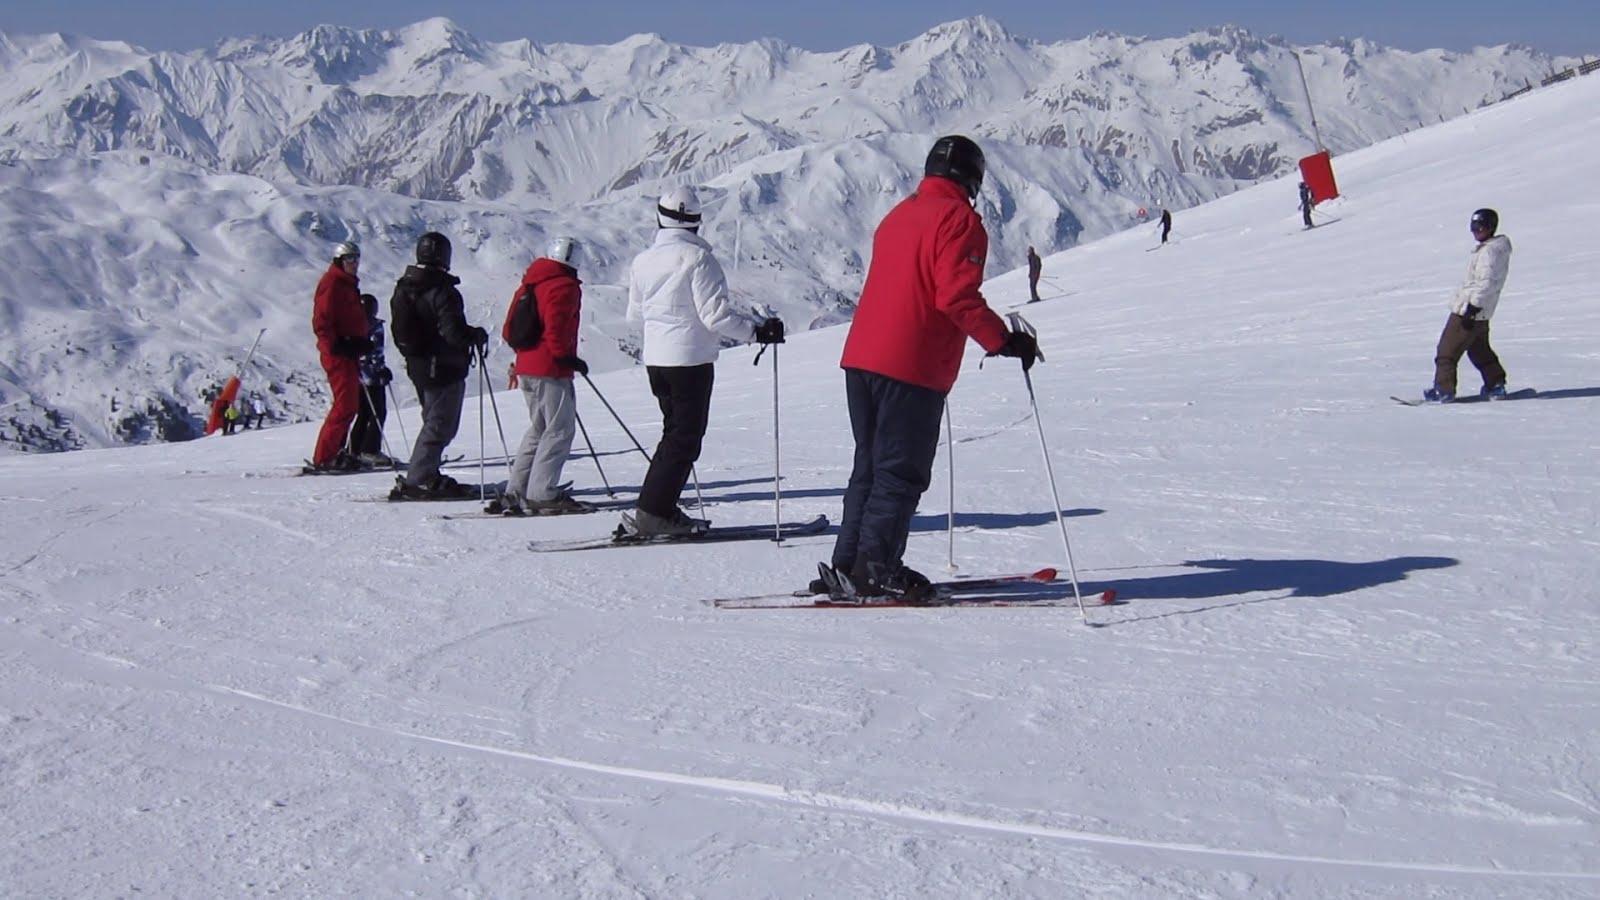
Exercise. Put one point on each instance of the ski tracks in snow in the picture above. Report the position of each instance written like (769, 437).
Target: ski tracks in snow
(889, 809)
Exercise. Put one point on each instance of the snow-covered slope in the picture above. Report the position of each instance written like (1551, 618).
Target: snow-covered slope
(1357, 659)
(195, 194)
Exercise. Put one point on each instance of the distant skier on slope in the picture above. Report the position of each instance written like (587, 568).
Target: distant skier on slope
(1467, 329)
(1035, 268)
(1166, 224)
(920, 303)
(1306, 202)
(341, 330)
(677, 289)
(428, 320)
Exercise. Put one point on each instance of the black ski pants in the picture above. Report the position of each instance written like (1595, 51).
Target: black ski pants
(366, 435)
(684, 394)
(896, 428)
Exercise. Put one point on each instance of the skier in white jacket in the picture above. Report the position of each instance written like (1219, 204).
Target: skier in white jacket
(1467, 329)
(677, 289)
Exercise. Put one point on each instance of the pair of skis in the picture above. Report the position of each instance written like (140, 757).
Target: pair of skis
(961, 592)
(591, 506)
(714, 535)
(996, 591)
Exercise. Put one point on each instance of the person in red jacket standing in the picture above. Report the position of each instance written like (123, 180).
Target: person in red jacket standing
(340, 325)
(920, 303)
(544, 373)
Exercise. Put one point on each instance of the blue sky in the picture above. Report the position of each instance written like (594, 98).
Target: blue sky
(1554, 26)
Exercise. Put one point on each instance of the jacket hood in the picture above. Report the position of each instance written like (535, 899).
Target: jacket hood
(544, 269)
(427, 276)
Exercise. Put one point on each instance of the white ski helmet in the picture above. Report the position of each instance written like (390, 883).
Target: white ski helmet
(344, 249)
(678, 208)
(563, 250)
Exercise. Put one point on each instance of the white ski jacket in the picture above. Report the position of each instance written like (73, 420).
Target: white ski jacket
(1486, 276)
(677, 289)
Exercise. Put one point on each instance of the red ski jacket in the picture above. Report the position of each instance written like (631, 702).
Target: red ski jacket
(921, 300)
(336, 311)
(556, 291)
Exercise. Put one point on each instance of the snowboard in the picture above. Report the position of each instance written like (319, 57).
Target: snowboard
(1520, 394)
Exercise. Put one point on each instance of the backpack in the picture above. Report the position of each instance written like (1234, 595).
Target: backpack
(524, 328)
(403, 324)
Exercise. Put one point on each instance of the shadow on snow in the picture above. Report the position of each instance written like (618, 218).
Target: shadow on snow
(1567, 394)
(1238, 578)
(993, 521)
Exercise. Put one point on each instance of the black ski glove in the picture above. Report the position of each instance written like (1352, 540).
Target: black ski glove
(385, 376)
(1021, 345)
(770, 331)
(573, 363)
(351, 347)
(477, 336)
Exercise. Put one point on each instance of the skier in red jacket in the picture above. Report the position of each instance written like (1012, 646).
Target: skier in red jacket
(920, 303)
(544, 373)
(340, 325)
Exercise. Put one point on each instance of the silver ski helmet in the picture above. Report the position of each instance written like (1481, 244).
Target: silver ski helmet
(346, 249)
(563, 250)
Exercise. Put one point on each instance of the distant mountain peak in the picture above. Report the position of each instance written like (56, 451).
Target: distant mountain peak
(979, 28)
(441, 33)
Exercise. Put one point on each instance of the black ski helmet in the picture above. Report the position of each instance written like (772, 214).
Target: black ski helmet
(433, 249)
(1487, 218)
(957, 158)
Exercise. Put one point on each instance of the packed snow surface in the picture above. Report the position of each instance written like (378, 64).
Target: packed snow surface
(1357, 659)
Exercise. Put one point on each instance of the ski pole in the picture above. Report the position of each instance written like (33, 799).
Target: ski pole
(950, 520)
(699, 498)
(483, 386)
(594, 456)
(777, 457)
(399, 420)
(495, 408)
(372, 407)
(636, 444)
(1021, 324)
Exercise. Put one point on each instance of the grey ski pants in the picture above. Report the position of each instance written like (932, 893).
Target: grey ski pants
(441, 419)
(552, 422)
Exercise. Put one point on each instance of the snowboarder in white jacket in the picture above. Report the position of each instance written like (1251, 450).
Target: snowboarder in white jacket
(677, 289)
(1467, 329)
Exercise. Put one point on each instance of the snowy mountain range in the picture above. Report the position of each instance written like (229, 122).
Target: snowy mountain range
(161, 208)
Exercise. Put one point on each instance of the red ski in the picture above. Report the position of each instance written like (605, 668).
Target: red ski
(956, 592)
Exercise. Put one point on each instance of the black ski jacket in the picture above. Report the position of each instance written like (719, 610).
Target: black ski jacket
(428, 322)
